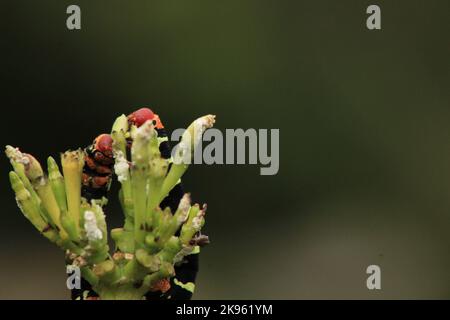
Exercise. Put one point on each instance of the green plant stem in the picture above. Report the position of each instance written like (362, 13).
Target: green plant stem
(29, 208)
(72, 168)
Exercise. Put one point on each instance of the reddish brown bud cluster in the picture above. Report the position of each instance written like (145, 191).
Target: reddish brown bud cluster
(162, 285)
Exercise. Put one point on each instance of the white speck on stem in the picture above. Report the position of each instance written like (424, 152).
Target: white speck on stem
(146, 131)
(200, 125)
(121, 166)
(184, 206)
(191, 139)
(15, 155)
(93, 233)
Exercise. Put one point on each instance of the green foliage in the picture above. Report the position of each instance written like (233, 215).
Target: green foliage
(147, 247)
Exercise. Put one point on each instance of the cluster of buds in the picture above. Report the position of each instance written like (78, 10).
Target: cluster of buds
(152, 240)
(52, 203)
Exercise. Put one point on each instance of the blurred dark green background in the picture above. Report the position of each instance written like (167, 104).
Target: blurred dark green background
(364, 124)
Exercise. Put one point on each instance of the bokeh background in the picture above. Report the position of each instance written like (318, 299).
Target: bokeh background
(364, 126)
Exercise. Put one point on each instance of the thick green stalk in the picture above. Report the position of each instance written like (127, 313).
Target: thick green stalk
(157, 172)
(96, 234)
(172, 179)
(194, 223)
(171, 248)
(151, 244)
(126, 202)
(151, 262)
(162, 233)
(20, 170)
(139, 200)
(67, 244)
(180, 216)
(121, 167)
(50, 204)
(133, 271)
(184, 151)
(139, 176)
(29, 208)
(89, 275)
(72, 164)
(57, 183)
(107, 272)
(124, 239)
